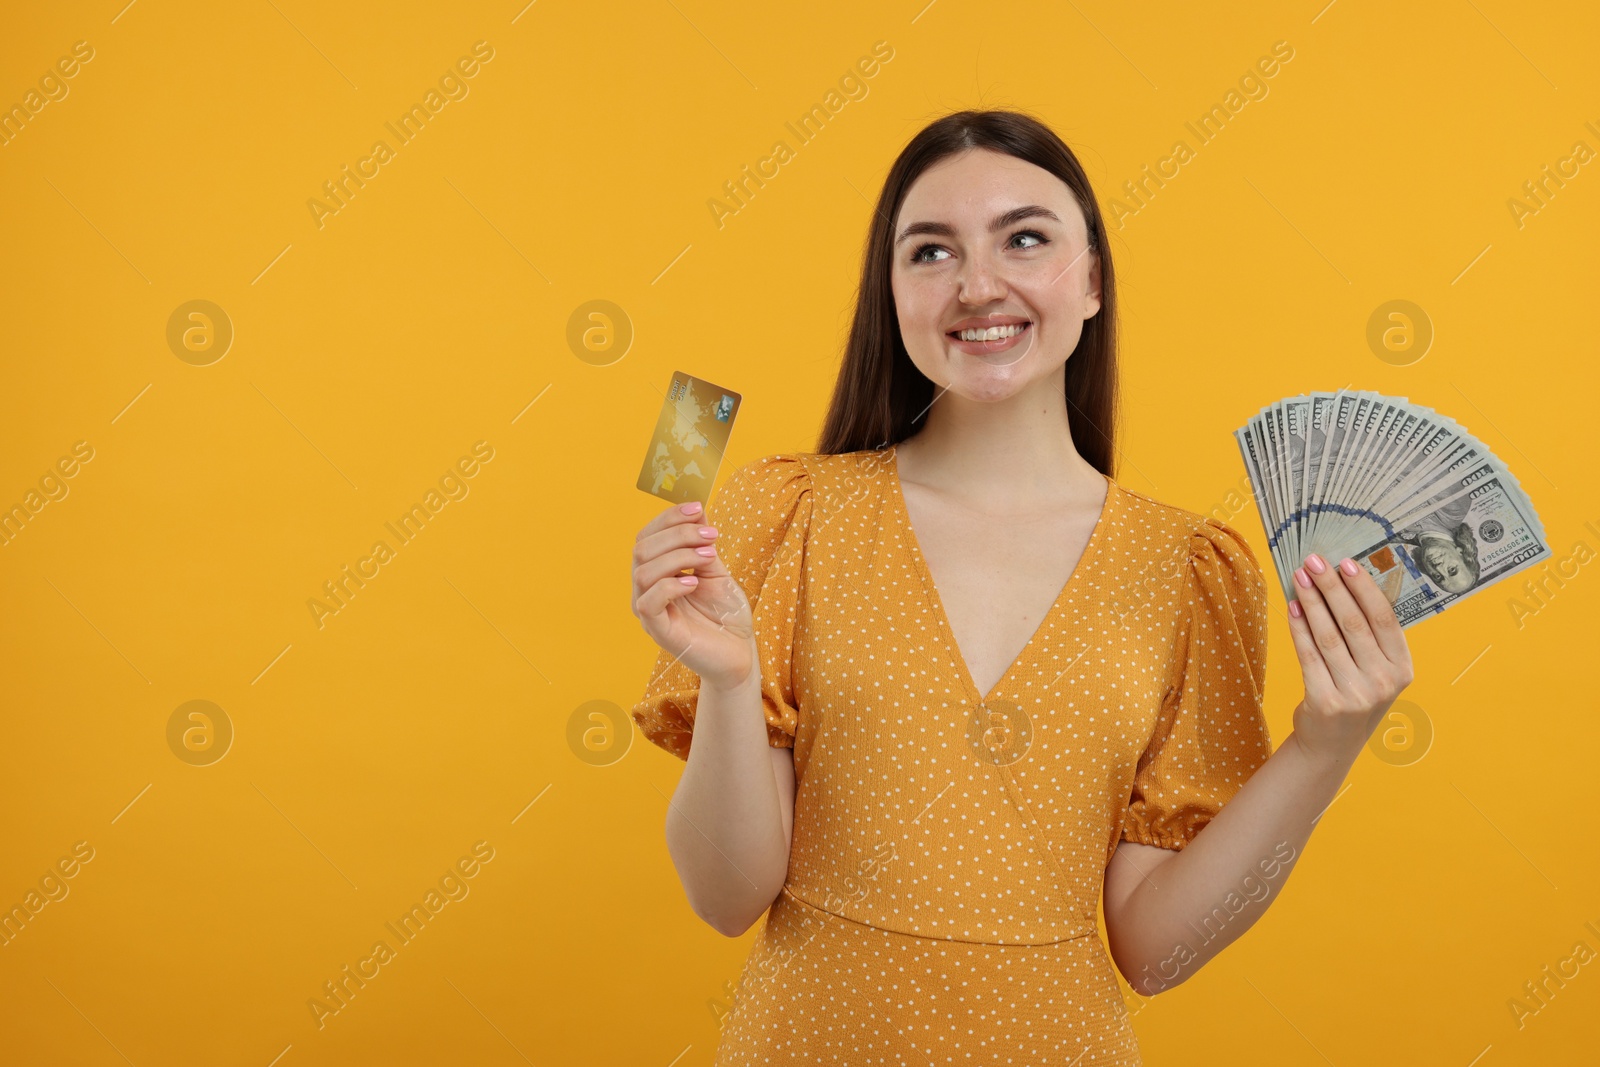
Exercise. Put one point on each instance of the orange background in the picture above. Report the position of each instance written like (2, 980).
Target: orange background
(431, 312)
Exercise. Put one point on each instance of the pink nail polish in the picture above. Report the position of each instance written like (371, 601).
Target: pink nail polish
(690, 508)
(1349, 567)
(1301, 577)
(1314, 562)
(1294, 608)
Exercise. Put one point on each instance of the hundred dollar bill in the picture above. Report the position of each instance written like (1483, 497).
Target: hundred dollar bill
(1447, 554)
(1428, 509)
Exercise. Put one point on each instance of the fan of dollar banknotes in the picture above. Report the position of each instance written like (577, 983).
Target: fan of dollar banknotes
(1407, 493)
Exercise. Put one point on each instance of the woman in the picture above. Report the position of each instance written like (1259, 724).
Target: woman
(949, 684)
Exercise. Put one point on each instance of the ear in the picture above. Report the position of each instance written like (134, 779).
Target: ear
(1091, 302)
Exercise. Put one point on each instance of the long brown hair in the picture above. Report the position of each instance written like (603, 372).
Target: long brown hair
(880, 394)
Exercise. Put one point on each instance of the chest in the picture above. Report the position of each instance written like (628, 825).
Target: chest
(997, 580)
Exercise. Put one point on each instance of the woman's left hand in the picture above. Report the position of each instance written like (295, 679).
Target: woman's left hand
(1353, 655)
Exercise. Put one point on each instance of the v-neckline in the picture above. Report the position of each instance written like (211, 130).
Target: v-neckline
(931, 590)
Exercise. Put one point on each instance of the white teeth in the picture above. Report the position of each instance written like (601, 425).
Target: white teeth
(993, 333)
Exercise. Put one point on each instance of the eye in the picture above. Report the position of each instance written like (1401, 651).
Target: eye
(919, 256)
(1040, 240)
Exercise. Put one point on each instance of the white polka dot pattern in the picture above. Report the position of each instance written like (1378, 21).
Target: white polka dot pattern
(940, 900)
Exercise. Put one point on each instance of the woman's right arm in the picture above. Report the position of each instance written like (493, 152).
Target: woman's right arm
(730, 822)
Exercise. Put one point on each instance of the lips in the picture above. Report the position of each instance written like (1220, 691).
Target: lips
(991, 335)
(1020, 333)
(985, 324)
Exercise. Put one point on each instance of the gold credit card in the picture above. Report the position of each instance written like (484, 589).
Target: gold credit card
(690, 437)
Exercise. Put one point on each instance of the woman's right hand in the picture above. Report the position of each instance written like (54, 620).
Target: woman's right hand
(706, 623)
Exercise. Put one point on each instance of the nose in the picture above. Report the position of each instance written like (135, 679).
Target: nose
(980, 280)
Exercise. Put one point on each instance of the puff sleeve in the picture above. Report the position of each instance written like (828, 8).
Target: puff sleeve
(1210, 736)
(762, 513)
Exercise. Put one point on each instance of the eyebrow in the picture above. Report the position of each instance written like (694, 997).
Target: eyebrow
(944, 229)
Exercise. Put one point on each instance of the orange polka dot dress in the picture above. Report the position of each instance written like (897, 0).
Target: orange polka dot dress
(949, 850)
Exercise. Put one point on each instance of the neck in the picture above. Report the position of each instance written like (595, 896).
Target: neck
(1005, 454)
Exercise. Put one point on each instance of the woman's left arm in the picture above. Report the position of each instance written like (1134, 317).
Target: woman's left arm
(1169, 912)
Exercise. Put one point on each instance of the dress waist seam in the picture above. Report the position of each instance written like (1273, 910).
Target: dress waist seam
(936, 937)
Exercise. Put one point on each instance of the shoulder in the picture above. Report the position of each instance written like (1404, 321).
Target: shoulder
(766, 485)
(1208, 544)
(762, 503)
(787, 482)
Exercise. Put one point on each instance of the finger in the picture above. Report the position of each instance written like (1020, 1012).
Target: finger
(690, 534)
(1318, 680)
(1380, 613)
(673, 516)
(651, 605)
(1330, 642)
(1348, 613)
(669, 564)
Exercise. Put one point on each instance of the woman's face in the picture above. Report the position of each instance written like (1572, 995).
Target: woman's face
(1033, 275)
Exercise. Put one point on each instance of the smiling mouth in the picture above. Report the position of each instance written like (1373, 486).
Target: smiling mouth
(992, 333)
